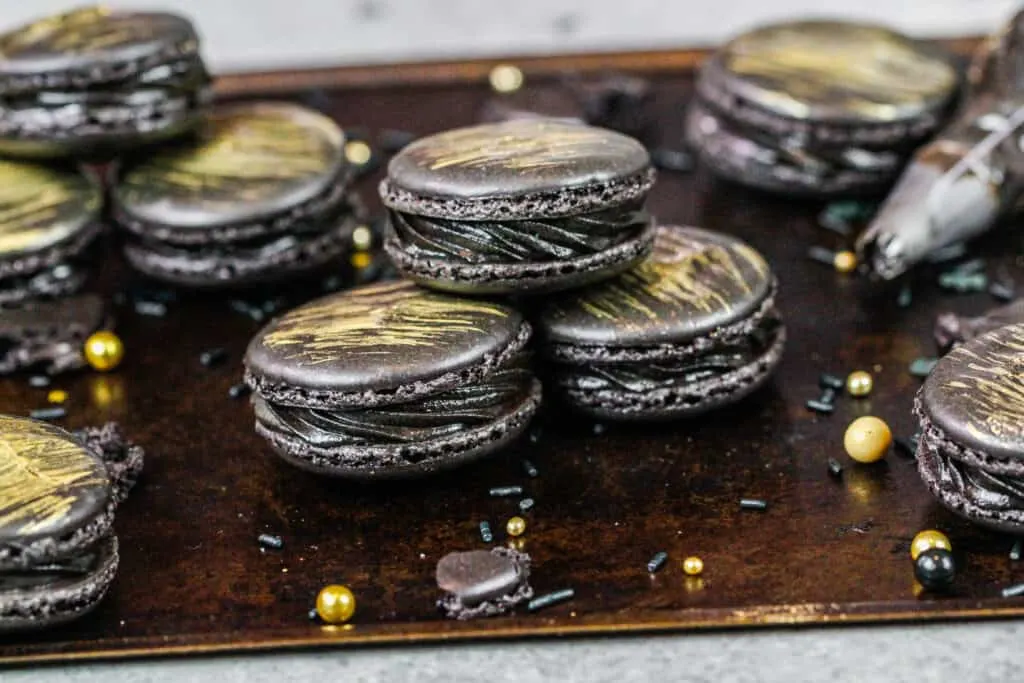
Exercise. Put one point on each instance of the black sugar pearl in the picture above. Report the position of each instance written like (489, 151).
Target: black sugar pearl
(526, 504)
(834, 468)
(528, 467)
(212, 357)
(906, 297)
(238, 390)
(935, 569)
(1017, 550)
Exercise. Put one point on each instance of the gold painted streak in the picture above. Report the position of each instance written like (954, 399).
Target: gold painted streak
(994, 387)
(26, 218)
(701, 281)
(473, 149)
(40, 475)
(380, 322)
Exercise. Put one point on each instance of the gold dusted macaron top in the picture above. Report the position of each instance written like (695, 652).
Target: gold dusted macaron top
(248, 161)
(380, 336)
(694, 281)
(515, 157)
(41, 207)
(50, 485)
(838, 71)
(56, 40)
(975, 394)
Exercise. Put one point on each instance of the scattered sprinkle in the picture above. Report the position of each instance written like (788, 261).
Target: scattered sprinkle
(829, 381)
(1017, 550)
(155, 309)
(332, 283)
(822, 255)
(963, 283)
(529, 468)
(238, 390)
(212, 357)
(1013, 591)
(55, 413)
(270, 541)
(39, 381)
(550, 599)
(922, 367)
(598, 428)
(819, 407)
(834, 468)
(247, 309)
(668, 159)
(753, 504)
(312, 615)
(657, 561)
(57, 396)
(828, 396)
(526, 504)
(485, 532)
(905, 297)
(905, 447)
(506, 491)
(1001, 291)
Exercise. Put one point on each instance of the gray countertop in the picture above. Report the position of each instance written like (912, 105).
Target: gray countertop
(979, 651)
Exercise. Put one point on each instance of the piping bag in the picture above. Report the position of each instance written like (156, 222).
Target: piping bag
(960, 183)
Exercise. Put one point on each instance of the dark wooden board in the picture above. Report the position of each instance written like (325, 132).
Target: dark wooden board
(194, 580)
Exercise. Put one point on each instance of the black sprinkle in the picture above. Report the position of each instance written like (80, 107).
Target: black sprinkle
(238, 390)
(657, 561)
(819, 407)
(753, 504)
(54, 413)
(312, 614)
(668, 159)
(506, 491)
(164, 296)
(155, 309)
(905, 447)
(526, 504)
(1001, 291)
(598, 428)
(829, 381)
(392, 141)
(39, 381)
(828, 396)
(212, 357)
(485, 532)
(534, 437)
(970, 267)
(248, 310)
(550, 599)
(529, 468)
(1013, 591)
(906, 297)
(834, 468)
(822, 255)
(270, 541)
(1017, 550)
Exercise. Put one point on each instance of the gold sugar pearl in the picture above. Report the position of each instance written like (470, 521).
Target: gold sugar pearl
(362, 238)
(693, 566)
(515, 526)
(859, 384)
(929, 539)
(57, 396)
(357, 152)
(845, 261)
(506, 78)
(335, 604)
(360, 260)
(104, 350)
(867, 439)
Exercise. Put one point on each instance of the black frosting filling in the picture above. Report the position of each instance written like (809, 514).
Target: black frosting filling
(431, 418)
(66, 277)
(642, 378)
(43, 575)
(554, 239)
(982, 489)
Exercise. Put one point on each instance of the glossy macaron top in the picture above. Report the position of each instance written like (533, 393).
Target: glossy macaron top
(43, 206)
(694, 282)
(538, 167)
(247, 162)
(90, 45)
(975, 394)
(834, 71)
(50, 484)
(392, 340)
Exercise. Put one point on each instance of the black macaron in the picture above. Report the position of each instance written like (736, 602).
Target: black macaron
(95, 81)
(48, 218)
(49, 336)
(971, 450)
(58, 494)
(692, 328)
(518, 207)
(391, 380)
(260, 194)
(818, 107)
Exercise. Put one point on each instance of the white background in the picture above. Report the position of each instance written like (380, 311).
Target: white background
(260, 34)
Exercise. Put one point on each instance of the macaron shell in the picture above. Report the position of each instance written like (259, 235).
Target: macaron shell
(837, 71)
(248, 161)
(50, 485)
(379, 338)
(42, 207)
(694, 282)
(519, 157)
(975, 394)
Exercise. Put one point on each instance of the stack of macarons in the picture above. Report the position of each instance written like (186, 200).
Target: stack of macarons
(527, 251)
